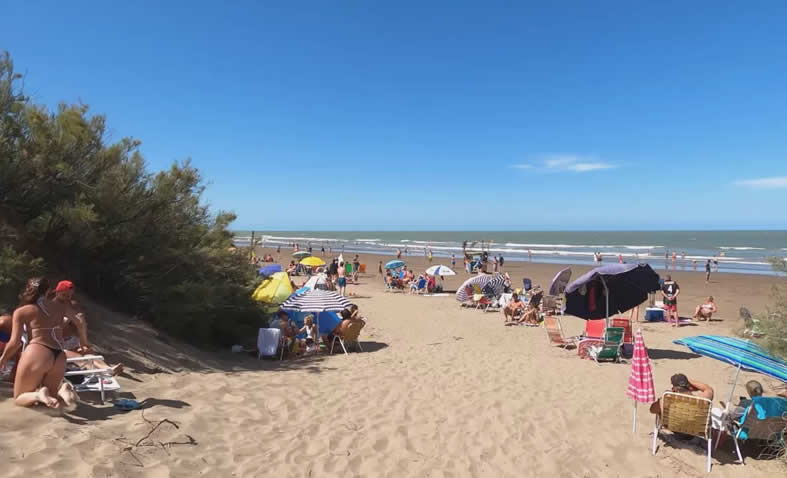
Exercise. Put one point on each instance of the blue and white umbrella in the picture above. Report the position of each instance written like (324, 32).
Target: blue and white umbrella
(316, 300)
(394, 264)
(440, 270)
(476, 284)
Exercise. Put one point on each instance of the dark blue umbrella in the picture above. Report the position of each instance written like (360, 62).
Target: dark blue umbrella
(610, 289)
(270, 270)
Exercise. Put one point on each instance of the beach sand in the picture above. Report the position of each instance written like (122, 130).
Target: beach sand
(439, 391)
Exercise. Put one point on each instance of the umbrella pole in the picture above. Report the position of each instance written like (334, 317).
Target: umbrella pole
(634, 430)
(732, 390)
(606, 297)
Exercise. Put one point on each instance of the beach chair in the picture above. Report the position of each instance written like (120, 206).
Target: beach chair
(685, 414)
(553, 305)
(625, 323)
(609, 349)
(349, 336)
(420, 286)
(268, 341)
(527, 285)
(555, 333)
(762, 420)
(94, 379)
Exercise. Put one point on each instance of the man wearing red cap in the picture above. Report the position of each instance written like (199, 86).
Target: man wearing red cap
(75, 341)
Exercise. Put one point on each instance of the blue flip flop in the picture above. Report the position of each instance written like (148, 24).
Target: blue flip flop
(126, 404)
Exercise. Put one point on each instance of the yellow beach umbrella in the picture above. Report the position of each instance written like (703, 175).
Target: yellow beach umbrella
(274, 289)
(313, 261)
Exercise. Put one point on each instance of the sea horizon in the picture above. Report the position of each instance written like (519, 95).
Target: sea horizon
(736, 251)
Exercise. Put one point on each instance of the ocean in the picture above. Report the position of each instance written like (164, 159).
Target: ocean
(736, 251)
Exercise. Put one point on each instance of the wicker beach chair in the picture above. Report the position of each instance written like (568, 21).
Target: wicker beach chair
(681, 413)
(349, 336)
(555, 333)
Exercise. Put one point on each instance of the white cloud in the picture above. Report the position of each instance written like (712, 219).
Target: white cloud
(566, 162)
(775, 182)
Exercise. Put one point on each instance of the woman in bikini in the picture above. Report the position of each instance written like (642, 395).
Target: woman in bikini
(43, 363)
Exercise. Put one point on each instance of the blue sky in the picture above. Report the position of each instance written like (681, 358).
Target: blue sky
(432, 115)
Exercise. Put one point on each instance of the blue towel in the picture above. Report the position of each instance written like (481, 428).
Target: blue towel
(765, 407)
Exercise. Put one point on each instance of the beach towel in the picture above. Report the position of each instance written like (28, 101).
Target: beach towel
(764, 407)
(268, 342)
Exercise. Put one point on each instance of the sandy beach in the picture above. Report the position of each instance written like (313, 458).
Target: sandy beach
(439, 391)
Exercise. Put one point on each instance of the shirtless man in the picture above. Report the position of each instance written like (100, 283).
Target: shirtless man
(42, 364)
(511, 309)
(682, 384)
(75, 342)
(342, 282)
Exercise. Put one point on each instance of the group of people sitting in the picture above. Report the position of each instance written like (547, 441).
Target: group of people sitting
(349, 328)
(517, 312)
(683, 385)
(405, 279)
(54, 328)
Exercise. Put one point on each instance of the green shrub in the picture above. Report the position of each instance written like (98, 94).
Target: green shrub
(92, 210)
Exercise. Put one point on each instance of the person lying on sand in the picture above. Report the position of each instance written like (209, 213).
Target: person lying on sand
(682, 384)
(510, 310)
(42, 364)
(706, 310)
(75, 342)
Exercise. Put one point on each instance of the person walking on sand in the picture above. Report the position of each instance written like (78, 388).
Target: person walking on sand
(501, 261)
(380, 268)
(453, 261)
(707, 271)
(670, 291)
(398, 253)
(430, 256)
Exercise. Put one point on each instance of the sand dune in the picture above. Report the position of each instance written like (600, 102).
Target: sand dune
(439, 392)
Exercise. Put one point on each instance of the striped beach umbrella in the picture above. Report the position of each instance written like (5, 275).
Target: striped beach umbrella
(440, 271)
(301, 254)
(640, 388)
(316, 300)
(475, 285)
(495, 286)
(394, 264)
(743, 354)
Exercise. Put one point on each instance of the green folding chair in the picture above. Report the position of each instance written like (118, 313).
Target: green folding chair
(610, 349)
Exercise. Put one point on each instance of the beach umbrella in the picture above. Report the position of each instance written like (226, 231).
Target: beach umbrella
(494, 287)
(313, 261)
(300, 254)
(440, 271)
(560, 281)
(610, 289)
(269, 270)
(316, 300)
(274, 289)
(316, 281)
(640, 388)
(474, 285)
(395, 264)
(743, 354)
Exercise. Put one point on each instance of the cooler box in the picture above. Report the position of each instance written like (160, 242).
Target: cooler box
(363, 269)
(654, 314)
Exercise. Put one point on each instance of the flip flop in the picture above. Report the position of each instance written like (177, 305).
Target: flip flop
(126, 404)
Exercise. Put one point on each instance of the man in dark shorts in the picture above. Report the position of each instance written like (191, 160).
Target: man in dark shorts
(707, 271)
(670, 290)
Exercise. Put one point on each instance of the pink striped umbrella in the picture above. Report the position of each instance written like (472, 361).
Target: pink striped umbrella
(640, 387)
